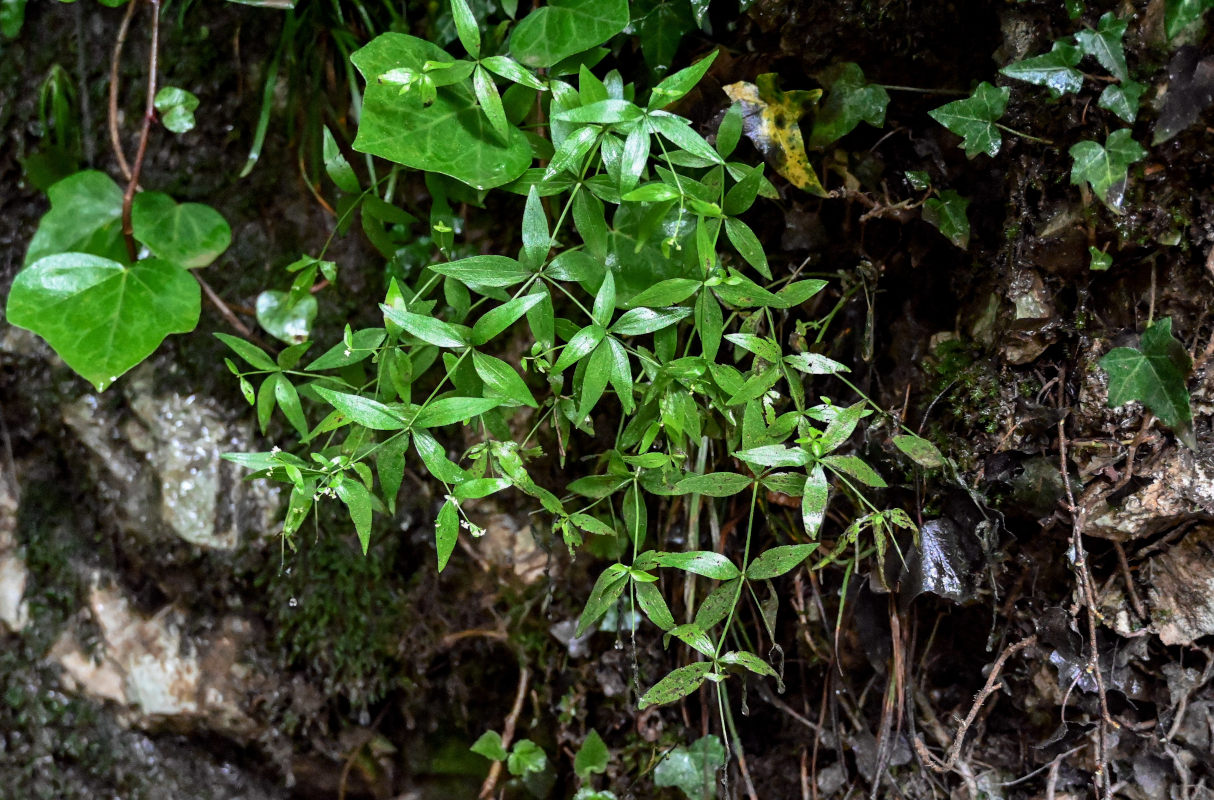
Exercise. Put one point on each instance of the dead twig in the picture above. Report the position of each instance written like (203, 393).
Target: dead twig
(992, 682)
(495, 771)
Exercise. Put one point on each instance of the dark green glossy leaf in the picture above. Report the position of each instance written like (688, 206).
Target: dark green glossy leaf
(774, 455)
(850, 100)
(565, 27)
(428, 329)
(502, 317)
(1106, 168)
(607, 589)
(336, 166)
(286, 318)
(362, 344)
(499, 271)
(176, 107)
(450, 410)
(1054, 70)
(974, 118)
(692, 769)
(501, 381)
(254, 355)
(814, 501)
(1122, 99)
(856, 468)
(1104, 44)
(1155, 376)
(947, 214)
(647, 320)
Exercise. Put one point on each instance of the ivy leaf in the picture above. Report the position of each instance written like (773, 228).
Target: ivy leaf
(693, 769)
(947, 214)
(563, 28)
(100, 316)
(1054, 70)
(1122, 99)
(678, 684)
(1155, 376)
(850, 100)
(769, 120)
(974, 118)
(660, 25)
(449, 135)
(490, 746)
(1180, 14)
(1104, 44)
(176, 107)
(1099, 260)
(186, 234)
(85, 217)
(1106, 168)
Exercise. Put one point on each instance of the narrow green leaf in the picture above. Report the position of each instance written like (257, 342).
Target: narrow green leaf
(288, 400)
(604, 301)
(450, 410)
(363, 410)
(920, 450)
(678, 684)
(666, 293)
(490, 101)
(466, 27)
(679, 131)
(814, 364)
(1054, 70)
(717, 605)
(815, 501)
(856, 468)
(607, 589)
(775, 562)
(502, 317)
(679, 84)
(362, 344)
(495, 271)
(579, 346)
(358, 502)
(390, 464)
(595, 379)
(714, 484)
(842, 426)
(774, 455)
(254, 355)
(501, 381)
(750, 661)
(446, 532)
(691, 635)
(747, 244)
(700, 562)
(428, 329)
(336, 166)
(765, 349)
(650, 599)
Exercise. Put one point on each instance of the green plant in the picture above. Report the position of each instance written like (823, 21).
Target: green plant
(633, 287)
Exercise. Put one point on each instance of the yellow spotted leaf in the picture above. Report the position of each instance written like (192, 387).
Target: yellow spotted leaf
(770, 118)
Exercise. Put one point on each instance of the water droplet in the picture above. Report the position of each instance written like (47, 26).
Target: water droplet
(293, 602)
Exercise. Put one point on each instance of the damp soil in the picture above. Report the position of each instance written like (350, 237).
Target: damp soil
(1074, 535)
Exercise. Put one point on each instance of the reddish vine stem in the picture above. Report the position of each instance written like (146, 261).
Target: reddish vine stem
(115, 60)
(149, 113)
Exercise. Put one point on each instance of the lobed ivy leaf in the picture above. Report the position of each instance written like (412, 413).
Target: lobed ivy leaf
(1122, 99)
(103, 317)
(850, 100)
(974, 118)
(176, 107)
(186, 234)
(449, 135)
(692, 769)
(85, 217)
(1181, 14)
(1104, 44)
(563, 28)
(1106, 168)
(947, 214)
(607, 589)
(1054, 70)
(1154, 375)
(286, 316)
